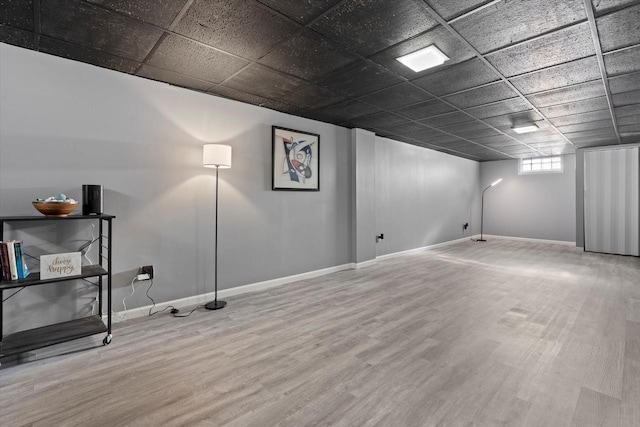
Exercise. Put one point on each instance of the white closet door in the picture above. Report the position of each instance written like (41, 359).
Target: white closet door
(611, 201)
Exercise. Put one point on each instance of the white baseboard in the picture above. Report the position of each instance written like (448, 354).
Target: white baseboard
(357, 265)
(423, 248)
(252, 287)
(267, 284)
(525, 239)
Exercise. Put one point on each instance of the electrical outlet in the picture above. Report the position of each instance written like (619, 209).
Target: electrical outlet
(465, 225)
(147, 269)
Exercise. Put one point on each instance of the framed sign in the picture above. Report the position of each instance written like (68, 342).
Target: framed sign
(60, 265)
(295, 160)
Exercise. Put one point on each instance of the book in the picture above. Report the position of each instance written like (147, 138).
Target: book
(4, 257)
(21, 264)
(12, 260)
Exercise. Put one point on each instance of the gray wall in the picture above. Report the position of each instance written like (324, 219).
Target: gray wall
(64, 124)
(537, 206)
(363, 204)
(423, 197)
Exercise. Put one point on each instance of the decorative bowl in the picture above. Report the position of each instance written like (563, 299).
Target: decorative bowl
(55, 208)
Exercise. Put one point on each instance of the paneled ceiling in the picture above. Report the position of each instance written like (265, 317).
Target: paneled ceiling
(570, 67)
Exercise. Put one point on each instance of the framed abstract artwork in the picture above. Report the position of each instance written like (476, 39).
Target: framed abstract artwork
(295, 160)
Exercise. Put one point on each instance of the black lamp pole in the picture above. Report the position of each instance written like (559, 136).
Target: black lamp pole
(215, 304)
(482, 210)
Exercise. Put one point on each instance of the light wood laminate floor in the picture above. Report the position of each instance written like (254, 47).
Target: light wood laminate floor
(502, 333)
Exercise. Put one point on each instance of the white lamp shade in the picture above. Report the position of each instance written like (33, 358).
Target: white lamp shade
(216, 156)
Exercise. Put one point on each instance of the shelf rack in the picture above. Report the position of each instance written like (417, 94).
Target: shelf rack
(32, 339)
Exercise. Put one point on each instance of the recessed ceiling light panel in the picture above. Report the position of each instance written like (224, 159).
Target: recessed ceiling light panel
(423, 59)
(525, 129)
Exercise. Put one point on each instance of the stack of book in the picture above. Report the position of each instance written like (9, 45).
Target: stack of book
(12, 261)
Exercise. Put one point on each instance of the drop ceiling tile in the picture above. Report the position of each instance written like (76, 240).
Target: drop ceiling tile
(453, 8)
(348, 110)
(204, 63)
(465, 128)
(16, 37)
(626, 98)
(594, 141)
(628, 120)
(157, 12)
(80, 23)
(627, 111)
(509, 22)
(604, 132)
(379, 120)
(457, 77)
(473, 135)
(227, 92)
(431, 135)
(358, 79)
(500, 108)
(397, 96)
(622, 62)
(243, 28)
(454, 48)
(521, 149)
(307, 55)
(483, 95)
(312, 97)
(556, 48)
(619, 29)
(577, 107)
(447, 119)
(84, 54)
(17, 13)
(580, 118)
(590, 125)
(509, 120)
(443, 140)
(425, 109)
(625, 83)
(630, 129)
(584, 91)
(368, 27)
(630, 138)
(174, 78)
(302, 11)
(262, 81)
(404, 128)
(568, 74)
(499, 142)
(606, 6)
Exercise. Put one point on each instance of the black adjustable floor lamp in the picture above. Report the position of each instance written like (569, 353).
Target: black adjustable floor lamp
(216, 156)
(482, 210)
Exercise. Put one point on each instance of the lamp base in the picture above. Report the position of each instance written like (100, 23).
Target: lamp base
(479, 240)
(215, 305)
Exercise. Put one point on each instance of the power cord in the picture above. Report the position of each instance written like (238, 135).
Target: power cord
(174, 311)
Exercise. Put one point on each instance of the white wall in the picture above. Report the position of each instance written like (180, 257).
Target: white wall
(537, 206)
(65, 123)
(423, 197)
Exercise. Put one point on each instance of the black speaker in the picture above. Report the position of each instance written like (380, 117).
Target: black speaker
(92, 201)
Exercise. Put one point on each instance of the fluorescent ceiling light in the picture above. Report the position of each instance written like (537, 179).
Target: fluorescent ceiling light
(525, 129)
(422, 59)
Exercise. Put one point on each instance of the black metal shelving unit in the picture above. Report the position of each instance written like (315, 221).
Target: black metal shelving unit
(32, 339)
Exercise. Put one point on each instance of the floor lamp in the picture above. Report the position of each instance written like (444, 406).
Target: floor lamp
(216, 156)
(482, 209)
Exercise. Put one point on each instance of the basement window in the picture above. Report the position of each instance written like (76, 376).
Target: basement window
(548, 164)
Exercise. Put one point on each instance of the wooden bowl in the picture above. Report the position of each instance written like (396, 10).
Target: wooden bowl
(55, 209)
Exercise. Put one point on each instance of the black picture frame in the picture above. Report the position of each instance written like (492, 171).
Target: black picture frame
(295, 160)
